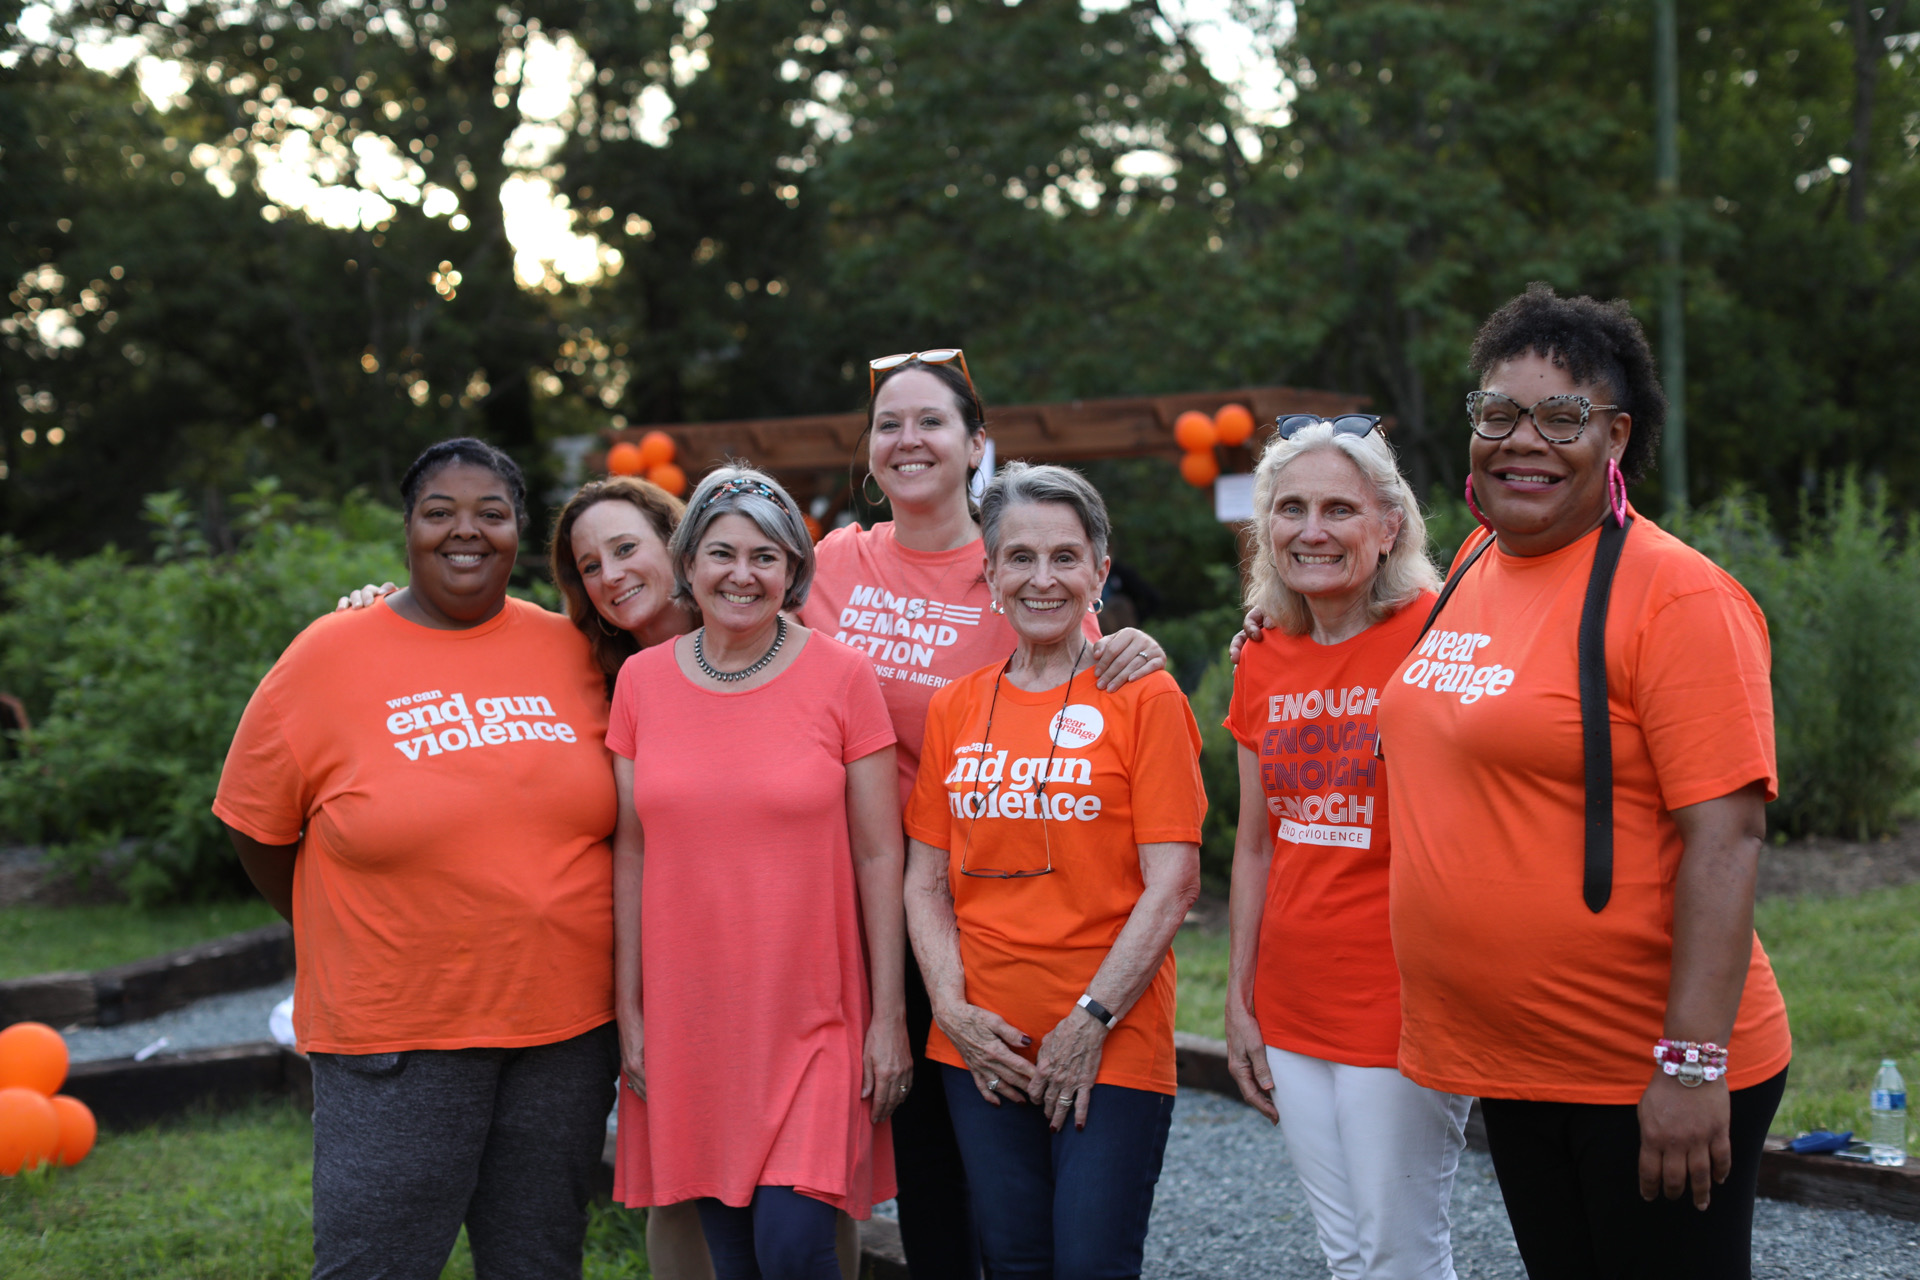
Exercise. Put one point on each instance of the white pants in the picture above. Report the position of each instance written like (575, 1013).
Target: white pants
(1376, 1154)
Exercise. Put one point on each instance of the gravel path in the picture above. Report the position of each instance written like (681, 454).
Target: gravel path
(1229, 1205)
(236, 1018)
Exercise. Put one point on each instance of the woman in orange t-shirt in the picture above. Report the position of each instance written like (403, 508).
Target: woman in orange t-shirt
(1580, 751)
(908, 593)
(455, 943)
(1341, 579)
(1055, 832)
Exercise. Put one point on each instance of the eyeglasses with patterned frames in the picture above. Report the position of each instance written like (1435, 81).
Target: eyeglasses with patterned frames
(938, 355)
(1558, 419)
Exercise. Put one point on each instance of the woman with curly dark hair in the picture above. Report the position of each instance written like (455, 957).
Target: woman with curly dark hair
(1580, 748)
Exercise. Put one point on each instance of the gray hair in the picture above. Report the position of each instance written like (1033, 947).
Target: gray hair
(741, 491)
(1018, 483)
(1405, 571)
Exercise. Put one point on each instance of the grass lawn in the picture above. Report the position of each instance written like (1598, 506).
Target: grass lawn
(208, 1198)
(1849, 967)
(37, 939)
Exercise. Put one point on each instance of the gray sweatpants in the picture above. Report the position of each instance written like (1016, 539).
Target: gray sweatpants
(407, 1146)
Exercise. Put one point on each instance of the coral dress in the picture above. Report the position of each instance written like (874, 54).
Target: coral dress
(755, 995)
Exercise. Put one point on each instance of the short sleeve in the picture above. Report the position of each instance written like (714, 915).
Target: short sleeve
(1701, 687)
(1169, 800)
(868, 727)
(1240, 721)
(263, 791)
(927, 808)
(624, 714)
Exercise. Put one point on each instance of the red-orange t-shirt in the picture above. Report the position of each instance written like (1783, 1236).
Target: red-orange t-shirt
(452, 797)
(1510, 986)
(921, 617)
(1124, 771)
(1325, 984)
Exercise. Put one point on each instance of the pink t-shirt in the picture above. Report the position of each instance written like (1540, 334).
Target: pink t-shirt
(755, 993)
(920, 616)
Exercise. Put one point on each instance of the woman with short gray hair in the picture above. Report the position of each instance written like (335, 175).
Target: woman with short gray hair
(1045, 885)
(1341, 578)
(758, 931)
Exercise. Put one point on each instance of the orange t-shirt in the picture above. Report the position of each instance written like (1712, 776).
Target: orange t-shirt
(921, 617)
(1325, 984)
(1510, 986)
(453, 797)
(1125, 772)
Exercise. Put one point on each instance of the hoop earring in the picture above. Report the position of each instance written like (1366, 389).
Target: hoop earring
(1096, 604)
(604, 628)
(1617, 493)
(879, 501)
(1475, 508)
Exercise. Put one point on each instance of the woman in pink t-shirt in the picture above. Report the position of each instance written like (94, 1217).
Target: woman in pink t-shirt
(757, 867)
(911, 593)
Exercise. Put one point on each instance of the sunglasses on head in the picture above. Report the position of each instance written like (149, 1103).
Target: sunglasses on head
(938, 355)
(1347, 424)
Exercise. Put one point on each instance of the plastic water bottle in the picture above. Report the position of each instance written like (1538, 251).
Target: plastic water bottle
(1888, 1143)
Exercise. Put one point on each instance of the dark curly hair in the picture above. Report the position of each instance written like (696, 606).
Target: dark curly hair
(1597, 343)
(474, 453)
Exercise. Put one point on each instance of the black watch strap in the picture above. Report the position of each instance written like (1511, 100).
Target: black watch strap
(1098, 1010)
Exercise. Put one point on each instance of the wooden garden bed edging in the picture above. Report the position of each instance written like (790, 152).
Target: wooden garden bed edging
(1819, 1181)
(145, 988)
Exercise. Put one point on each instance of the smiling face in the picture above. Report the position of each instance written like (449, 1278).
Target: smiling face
(739, 575)
(1329, 529)
(462, 538)
(921, 450)
(1044, 572)
(623, 564)
(1541, 496)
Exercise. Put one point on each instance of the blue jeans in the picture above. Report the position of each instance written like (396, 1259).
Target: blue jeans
(1071, 1205)
(782, 1235)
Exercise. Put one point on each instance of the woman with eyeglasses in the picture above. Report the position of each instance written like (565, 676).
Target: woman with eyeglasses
(1580, 751)
(758, 930)
(909, 593)
(1340, 577)
(1055, 831)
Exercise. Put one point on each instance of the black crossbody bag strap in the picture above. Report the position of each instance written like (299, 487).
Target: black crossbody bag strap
(1446, 592)
(1596, 722)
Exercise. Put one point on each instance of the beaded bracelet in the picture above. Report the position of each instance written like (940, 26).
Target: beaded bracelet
(1690, 1063)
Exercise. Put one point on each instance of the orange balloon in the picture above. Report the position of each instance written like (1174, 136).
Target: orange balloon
(814, 530)
(1234, 423)
(1199, 469)
(1194, 430)
(669, 477)
(626, 459)
(32, 1056)
(77, 1129)
(656, 450)
(29, 1130)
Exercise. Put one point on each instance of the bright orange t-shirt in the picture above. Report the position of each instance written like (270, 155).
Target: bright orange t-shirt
(1510, 986)
(921, 617)
(1125, 772)
(452, 795)
(1325, 984)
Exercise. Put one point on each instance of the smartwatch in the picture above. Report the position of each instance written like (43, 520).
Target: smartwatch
(1098, 1010)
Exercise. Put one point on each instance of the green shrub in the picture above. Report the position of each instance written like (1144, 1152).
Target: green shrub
(1220, 771)
(136, 674)
(1843, 610)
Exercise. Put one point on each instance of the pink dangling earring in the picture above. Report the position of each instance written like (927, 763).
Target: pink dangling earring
(1475, 508)
(1616, 493)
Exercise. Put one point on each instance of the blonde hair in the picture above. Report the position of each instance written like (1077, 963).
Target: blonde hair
(1405, 571)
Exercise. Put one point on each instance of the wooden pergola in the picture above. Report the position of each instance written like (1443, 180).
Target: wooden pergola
(811, 455)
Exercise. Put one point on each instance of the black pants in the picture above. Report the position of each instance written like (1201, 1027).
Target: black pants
(1570, 1175)
(936, 1214)
(407, 1146)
